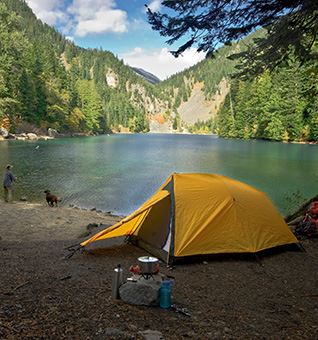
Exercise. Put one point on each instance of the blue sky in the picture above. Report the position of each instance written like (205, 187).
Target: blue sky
(119, 26)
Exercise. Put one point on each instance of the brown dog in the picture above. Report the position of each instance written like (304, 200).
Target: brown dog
(51, 199)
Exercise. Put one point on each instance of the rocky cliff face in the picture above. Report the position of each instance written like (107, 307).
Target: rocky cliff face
(198, 108)
(111, 78)
(140, 97)
(195, 108)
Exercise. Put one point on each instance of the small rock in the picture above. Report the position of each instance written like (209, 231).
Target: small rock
(190, 334)
(215, 335)
(151, 335)
(91, 226)
(132, 327)
(114, 333)
(227, 330)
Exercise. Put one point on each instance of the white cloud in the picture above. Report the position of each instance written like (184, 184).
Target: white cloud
(155, 5)
(70, 38)
(81, 17)
(97, 16)
(48, 11)
(161, 63)
(103, 21)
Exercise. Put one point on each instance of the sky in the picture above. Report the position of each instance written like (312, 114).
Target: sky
(119, 26)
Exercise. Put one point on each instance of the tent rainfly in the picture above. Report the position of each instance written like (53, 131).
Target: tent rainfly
(198, 214)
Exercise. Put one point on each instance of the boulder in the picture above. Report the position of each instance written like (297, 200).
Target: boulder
(142, 292)
(4, 132)
(45, 137)
(11, 136)
(52, 132)
(32, 136)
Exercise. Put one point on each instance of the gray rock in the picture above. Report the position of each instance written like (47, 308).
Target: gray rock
(142, 292)
(113, 332)
(4, 132)
(227, 330)
(152, 335)
(52, 132)
(32, 136)
(11, 136)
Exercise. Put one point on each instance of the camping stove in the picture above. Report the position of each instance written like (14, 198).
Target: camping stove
(149, 266)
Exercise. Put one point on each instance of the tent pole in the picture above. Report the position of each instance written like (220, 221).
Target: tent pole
(172, 219)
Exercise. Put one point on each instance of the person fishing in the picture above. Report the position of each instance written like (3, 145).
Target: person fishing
(8, 180)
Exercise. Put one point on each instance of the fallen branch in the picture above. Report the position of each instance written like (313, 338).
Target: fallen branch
(301, 211)
(310, 296)
(22, 285)
(65, 277)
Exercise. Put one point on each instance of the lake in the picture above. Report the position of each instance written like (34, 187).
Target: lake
(119, 172)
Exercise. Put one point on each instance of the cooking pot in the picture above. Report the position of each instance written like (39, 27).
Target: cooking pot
(148, 264)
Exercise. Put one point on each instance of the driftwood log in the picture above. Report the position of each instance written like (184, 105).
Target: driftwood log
(301, 211)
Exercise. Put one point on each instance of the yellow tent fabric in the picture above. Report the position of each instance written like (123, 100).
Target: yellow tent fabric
(204, 214)
(129, 224)
(217, 214)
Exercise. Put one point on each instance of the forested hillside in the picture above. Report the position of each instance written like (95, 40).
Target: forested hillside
(48, 82)
(281, 105)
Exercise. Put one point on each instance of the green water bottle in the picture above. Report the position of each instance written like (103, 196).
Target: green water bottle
(165, 294)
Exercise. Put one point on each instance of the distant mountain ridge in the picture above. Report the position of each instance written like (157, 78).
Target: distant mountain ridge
(146, 75)
(48, 82)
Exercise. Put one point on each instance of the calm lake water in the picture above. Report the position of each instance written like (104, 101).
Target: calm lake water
(118, 173)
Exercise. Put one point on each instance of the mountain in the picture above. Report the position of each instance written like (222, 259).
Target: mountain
(151, 78)
(48, 82)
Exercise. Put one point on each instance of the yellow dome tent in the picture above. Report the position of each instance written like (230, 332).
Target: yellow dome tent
(197, 214)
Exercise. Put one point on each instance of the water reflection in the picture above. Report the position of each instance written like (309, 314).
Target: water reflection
(119, 172)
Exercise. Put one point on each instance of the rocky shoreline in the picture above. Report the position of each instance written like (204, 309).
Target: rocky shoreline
(39, 135)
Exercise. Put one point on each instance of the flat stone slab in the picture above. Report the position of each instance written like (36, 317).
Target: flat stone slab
(141, 292)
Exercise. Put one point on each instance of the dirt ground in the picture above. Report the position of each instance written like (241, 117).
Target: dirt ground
(45, 295)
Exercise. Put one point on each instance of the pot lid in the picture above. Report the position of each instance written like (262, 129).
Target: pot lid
(147, 259)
